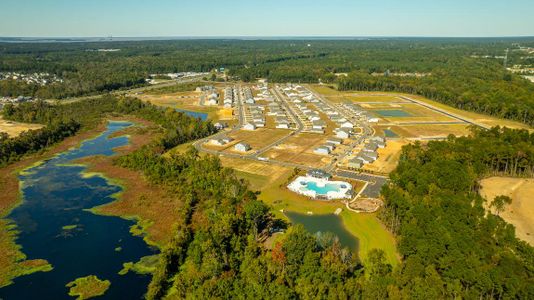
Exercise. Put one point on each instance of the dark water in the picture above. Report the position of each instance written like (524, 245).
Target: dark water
(390, 133)
(194, 114)
(55, 195)
(325, 223)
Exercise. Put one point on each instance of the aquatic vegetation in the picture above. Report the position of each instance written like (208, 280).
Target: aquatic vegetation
(88, 287)
(146, 265)
(69, 227)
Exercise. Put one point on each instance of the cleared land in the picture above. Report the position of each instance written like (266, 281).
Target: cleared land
(182, 100)
(388, 158)
(299, 149)
(337, 96)
(521, 212)
(13, 129)
(257, 139)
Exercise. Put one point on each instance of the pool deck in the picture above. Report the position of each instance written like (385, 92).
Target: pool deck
(344, 190)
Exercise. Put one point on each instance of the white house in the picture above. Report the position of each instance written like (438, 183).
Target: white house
(343, 134)
(322, 150)
(249, 126)
(282, 126)
(318, 124)
(335, 141)
(242, 147)
(355, 163)
(217, 142)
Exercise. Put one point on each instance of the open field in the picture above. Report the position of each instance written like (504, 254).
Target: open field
(183, 100)
(13, 129)
(299, 149)
(366, 227)
(257, 139)
(388, 158)
(333, 94)
(414, 113)
(521, 212)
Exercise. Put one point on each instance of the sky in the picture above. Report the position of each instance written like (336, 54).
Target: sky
(213, 18)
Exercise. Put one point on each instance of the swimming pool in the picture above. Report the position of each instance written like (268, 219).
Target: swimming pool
(321, 188)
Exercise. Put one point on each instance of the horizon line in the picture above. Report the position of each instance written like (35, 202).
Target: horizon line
(259, 36)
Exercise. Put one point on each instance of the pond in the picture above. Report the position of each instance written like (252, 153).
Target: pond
(55, 225)
(390, 133)
(393, 113)
(194, 114)
(325, 223)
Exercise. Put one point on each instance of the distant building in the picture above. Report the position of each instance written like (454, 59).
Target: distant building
(242, 147)
(322, 150)
(249, 126)
(333, 140)
(343, 134)
(316, 173)
(355, 163)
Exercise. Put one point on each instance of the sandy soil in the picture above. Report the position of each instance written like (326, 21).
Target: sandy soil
(16, 128)
(521, 212)
(388, 158)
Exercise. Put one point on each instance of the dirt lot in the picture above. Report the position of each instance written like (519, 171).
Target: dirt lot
(258, 138)
(521, 212)
(15, 128)
(388, 158)
(299, 149)
(437, 130)
(356, 96)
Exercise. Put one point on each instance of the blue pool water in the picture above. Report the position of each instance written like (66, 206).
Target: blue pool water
(194, 114)
(56, 193)
(322, 190)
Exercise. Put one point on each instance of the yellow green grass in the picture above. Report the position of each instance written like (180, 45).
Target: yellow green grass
(146, 265)
(88, 287)
(366, 227)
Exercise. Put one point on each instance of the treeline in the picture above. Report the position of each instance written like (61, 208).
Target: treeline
(450, 246)
(31, 141)
(464, 83)
(62, 119)
(88, 72)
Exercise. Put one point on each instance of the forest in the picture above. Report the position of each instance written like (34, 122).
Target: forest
(465, 73)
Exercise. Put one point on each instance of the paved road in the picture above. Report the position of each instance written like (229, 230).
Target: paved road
(129, 91)
(375, 182)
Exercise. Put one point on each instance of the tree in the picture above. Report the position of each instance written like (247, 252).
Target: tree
(500, 202)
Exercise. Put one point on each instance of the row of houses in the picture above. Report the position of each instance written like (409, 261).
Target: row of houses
(368, 153)
(33, 78)
(360, 113)
(223, 141)
(331, 144)
(210, 95)
(280, 115)
(19, 99)
(230, 96)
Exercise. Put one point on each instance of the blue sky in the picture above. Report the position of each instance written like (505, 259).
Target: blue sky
(135, 18)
